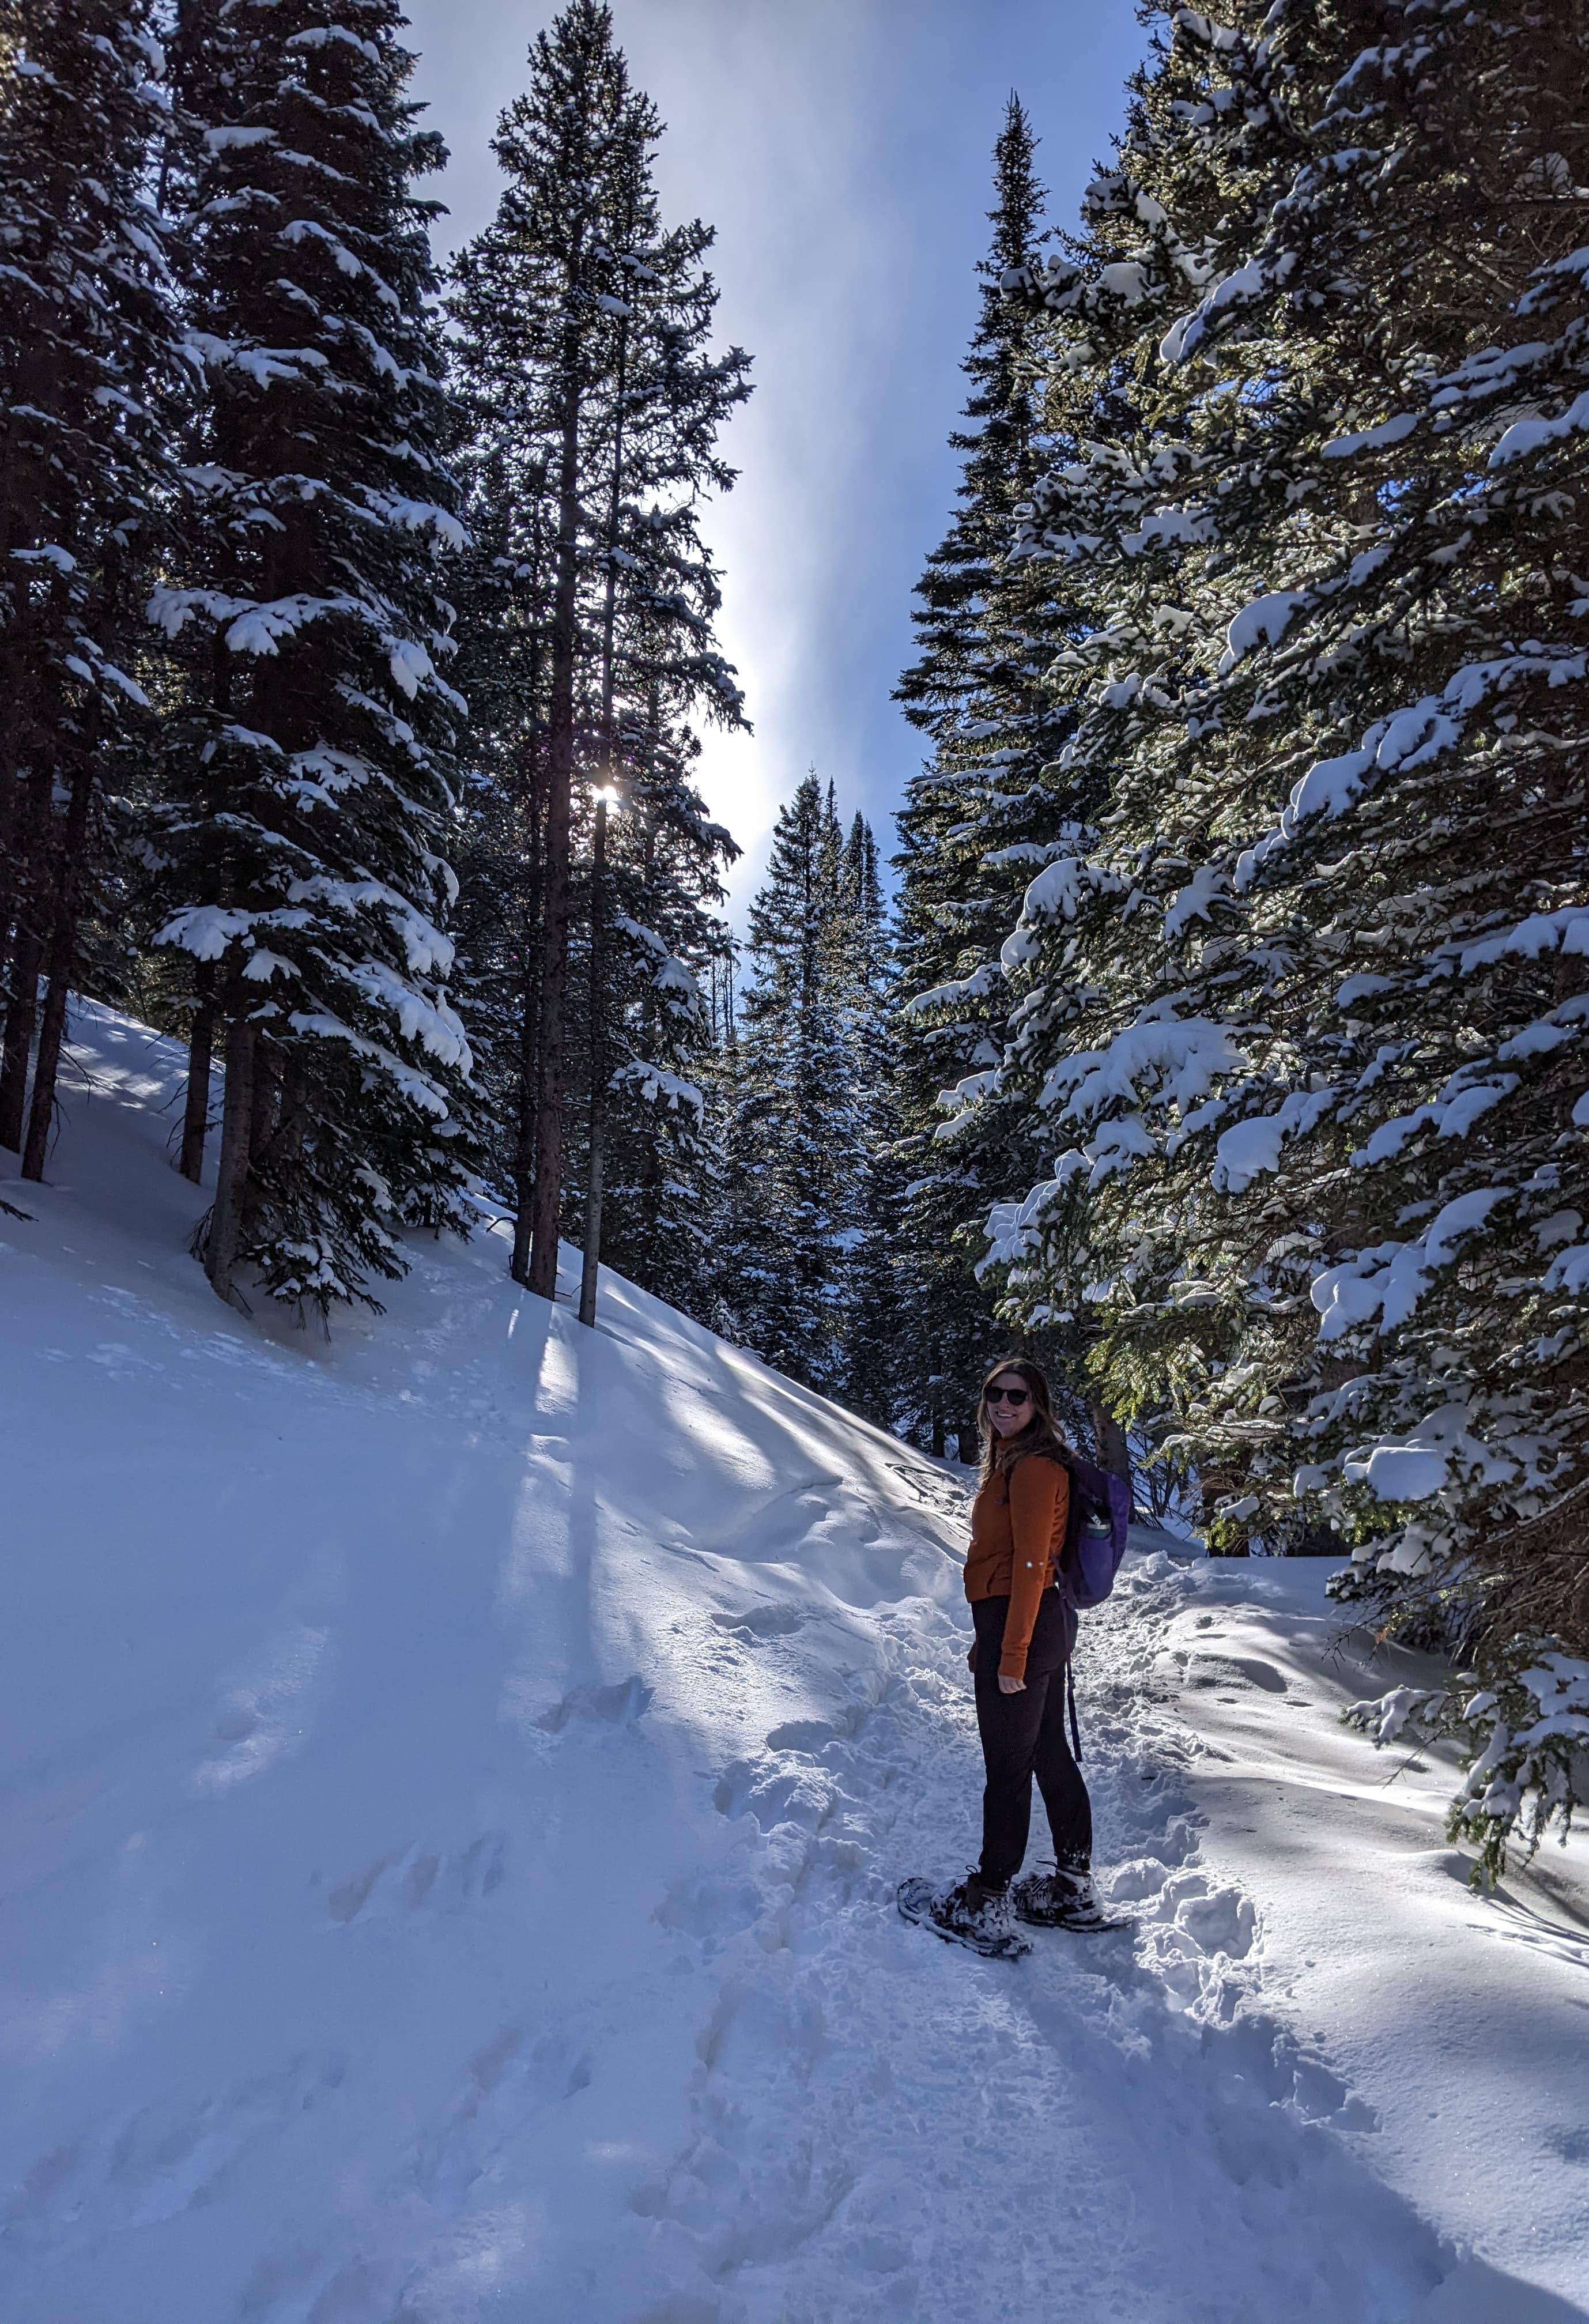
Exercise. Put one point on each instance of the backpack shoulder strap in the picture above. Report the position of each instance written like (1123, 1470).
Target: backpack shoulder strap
(1074, 1510)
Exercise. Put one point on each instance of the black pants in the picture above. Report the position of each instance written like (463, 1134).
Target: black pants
(1023, 1736)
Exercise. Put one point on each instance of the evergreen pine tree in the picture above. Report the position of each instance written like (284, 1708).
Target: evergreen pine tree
(875, 1276)
(505, 602)
(1310, 1026)
(89, 371)
(664, 1164)
(1121, 523)
(646, 1023)
(581, 346)
(983, 812)
(796, 1131)
(310, 764)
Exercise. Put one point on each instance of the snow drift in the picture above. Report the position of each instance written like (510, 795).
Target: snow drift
(454, 1778)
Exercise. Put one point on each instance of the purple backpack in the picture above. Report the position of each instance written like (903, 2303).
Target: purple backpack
(1095, 1533)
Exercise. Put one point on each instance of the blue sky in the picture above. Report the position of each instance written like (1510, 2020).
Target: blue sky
(841, 149)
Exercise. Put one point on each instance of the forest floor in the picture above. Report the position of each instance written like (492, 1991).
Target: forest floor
(454, 1779)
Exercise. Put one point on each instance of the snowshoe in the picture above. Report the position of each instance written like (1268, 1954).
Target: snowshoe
(1062, 1900)
(969, 1915)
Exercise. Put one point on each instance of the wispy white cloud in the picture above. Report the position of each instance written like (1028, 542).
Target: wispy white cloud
(841, 148)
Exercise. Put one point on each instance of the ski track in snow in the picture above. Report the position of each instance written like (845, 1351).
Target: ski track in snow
(495, 1922)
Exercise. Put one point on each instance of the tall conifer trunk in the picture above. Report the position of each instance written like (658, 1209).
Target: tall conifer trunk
(528, 1091)
(267, 1096)
(595, 1159)
(200, 1047)
(593, 1185)
(531, 904)
(27, 959)
(62, 955)
(546, 1200)
(10, 855)
(226, 1223)
(24, 961)
(1110, 1437)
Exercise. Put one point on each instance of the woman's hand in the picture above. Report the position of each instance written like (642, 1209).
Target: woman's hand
(1006, 1685)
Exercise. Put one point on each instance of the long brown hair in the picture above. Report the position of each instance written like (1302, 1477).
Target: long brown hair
(1041, 1434)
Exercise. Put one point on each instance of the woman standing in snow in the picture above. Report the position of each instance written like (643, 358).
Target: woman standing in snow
(1025, 1630)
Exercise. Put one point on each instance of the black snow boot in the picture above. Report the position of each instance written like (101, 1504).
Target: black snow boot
(974, 1915)
(1063, 1898)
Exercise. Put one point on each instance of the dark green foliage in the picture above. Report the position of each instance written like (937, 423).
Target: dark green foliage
(1299, 1013)
(89, 371)
(593, 402)
(309, 766)
(664, 1137)
(977, 821)
(877, 1317)
(803, 1110)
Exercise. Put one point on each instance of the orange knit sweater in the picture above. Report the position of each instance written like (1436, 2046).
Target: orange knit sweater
(1016, 1533)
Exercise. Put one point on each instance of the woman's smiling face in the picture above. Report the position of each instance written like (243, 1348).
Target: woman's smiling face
(1009, 1402)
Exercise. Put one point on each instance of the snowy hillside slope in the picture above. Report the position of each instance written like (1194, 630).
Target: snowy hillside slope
(454, 1778)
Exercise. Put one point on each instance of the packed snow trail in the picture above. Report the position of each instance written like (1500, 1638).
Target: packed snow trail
(456, 1777)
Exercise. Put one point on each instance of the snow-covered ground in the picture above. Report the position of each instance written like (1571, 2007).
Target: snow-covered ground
(454, 1782)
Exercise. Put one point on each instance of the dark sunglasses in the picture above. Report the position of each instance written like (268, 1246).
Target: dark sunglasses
(1008, 1396)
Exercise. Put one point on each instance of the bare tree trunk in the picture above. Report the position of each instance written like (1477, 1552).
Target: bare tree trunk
(546, 1198)
(24, 959)
(593, 1192)
(524, 1136)
(531, 775)
(27, 955)
(292, 1112)
(226, 1220)
(52, 1027)
(13, 833)
(10, 822)
(650, 1207)
(63, 946)
(267, 1095)
(589, 1272)
(528, 1030)
(1110, 1437)
(592, 1189)
(201, 1048)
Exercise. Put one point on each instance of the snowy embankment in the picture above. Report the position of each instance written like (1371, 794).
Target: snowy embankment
(454, 1778)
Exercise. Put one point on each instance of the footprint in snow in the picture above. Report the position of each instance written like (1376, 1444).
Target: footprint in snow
(710, 1906)
(805, 1735)
(942, 1494)
(812, 1736)
(1217, 1919)
(163, 2159)
(761, 1622)
(770, 1797)
(610, 1706)
(121, 1361)
(1206, 1670)
(512, 2076)
(418, 1876)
